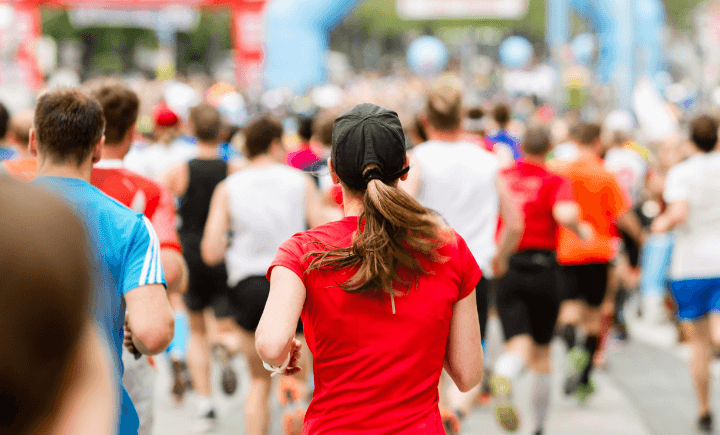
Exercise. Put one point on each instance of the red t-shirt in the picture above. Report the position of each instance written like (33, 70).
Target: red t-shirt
(537, 190)
(375, 371)
(143, 195)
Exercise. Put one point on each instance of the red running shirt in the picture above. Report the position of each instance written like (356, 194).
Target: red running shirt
(143, 195)
(376, 372)
(537, 190)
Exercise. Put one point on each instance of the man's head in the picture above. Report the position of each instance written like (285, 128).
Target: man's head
(120, 106)
(20, 126)
(305, 128)
(704, 133)
(588, 137)
(44, 298)
(263, 135)
(501, 114)
(67, 128)
(323, 128)
(444, 105)
(474, 120)
(537, 141)
(4, 121)
(166, 126)
(206, 123)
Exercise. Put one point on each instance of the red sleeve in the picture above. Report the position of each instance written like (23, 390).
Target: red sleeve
(619, 199)
(163, 221)
(470, 273)
(563, 191)
(289, 255)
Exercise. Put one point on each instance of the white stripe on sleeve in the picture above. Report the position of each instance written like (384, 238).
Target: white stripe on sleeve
(148, 256)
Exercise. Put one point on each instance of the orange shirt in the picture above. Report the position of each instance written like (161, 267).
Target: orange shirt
(601, 199)
(22, 169)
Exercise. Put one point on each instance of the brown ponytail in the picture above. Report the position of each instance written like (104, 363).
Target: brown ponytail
(392, 229)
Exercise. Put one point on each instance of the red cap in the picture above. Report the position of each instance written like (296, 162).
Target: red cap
(164, 117)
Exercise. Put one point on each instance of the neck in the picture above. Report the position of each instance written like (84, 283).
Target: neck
(66, 170)
(113, 152)
(445, 136)
(352, 205)
(23, 151)
(586, 151)
(538, 160)
(207, 150)
(262, 161)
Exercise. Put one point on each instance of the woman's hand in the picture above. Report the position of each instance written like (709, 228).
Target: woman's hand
(295, 350)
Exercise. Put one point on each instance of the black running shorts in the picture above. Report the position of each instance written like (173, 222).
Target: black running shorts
(528, 299)
(482, 297)
(248, 298)
(587, 282)
(207, 285)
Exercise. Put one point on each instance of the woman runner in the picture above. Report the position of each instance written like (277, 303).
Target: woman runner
(386, 295)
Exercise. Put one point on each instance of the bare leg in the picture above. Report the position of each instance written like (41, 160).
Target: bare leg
(257, 403)
(698, 333)
(540, 364)
(199, 354)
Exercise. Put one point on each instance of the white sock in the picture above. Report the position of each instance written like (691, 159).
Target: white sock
(204, 405)
(509, 365)
(541, 397)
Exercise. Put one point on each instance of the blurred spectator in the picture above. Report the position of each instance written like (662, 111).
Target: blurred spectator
(19, 134)
(303, 157)
(6, 151)
(506, 146)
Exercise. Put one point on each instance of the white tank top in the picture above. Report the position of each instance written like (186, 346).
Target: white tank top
(458, 181)
(630, 169)
(267, 206)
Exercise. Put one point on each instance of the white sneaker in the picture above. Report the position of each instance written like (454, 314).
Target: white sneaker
(205, 422)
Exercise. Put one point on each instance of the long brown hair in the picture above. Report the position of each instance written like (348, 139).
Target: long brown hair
(392, 229)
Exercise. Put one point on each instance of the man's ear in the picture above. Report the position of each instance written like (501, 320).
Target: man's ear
(405, 165)
(97, 151)
(333, 175)
(32, 143)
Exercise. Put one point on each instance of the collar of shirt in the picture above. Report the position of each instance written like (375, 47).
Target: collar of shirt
(110, 164)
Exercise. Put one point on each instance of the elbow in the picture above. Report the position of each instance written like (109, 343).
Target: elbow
(157, 338)
(469, 380)
(211, 256)
(268, 349)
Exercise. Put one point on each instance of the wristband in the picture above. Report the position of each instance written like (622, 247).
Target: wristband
(278, 370)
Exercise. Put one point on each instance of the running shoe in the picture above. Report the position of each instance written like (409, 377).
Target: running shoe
(705, 424)
(289, 391)
(538, 432)
(584, 391)
(179, 381)
(450, 421)
(292, 421)
(579, 359)
(205, 422)
(228, 378)
(505, 411)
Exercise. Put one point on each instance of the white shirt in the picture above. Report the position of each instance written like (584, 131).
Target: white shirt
(267, 207)
(154, 160)
(566, 151)
(458, 181)
(630, 168)
(696, 253)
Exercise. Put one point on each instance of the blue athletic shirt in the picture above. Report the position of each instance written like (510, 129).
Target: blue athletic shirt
(128, 256)
(504, 138)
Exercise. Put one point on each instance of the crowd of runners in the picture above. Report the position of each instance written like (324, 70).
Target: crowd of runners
(354, 255)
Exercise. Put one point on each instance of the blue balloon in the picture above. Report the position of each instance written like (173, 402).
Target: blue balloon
(516, 52)
(427, 56)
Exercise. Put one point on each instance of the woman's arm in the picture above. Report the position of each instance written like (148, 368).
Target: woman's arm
(675, 214)
(215, 240)
(464, 354)
(276, 331)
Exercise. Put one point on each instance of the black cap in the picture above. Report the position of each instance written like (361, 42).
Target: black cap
(365, 135)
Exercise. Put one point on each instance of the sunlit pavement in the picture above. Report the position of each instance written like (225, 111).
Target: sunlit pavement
(643, 390)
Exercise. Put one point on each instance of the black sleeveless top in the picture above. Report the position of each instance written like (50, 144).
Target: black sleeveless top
(204, 176)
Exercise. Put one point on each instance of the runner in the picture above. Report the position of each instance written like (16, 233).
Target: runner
(458, 180)
(603, 204)
(168, 150)
(303, 157)
(18, 135)
(505, 145)
(57, 382)
(337, 278)
(475, 124)
(692, 189)
(120, 107)
(68, 138)
(528, 295)
(193, 183)
(262, 204)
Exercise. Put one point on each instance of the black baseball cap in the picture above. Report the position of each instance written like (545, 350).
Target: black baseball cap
(368, 134)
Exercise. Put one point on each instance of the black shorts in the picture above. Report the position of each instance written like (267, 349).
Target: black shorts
(587, 282)
(482, 297)
(528, 299)
(207, 285)
(248, 298)
(631, 249)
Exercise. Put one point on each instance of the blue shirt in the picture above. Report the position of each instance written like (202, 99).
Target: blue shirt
(127, 256)
(502, 138)
(7, 154)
